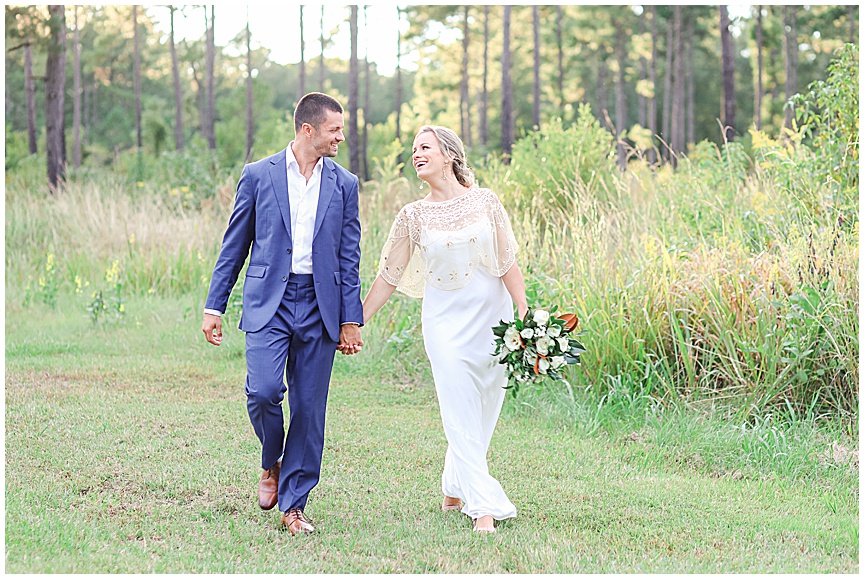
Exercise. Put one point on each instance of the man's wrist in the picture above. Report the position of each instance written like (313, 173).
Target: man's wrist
(213, 312)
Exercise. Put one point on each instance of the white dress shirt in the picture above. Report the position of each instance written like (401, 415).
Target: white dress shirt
(303, 201)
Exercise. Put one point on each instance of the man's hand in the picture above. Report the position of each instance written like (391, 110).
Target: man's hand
(212, 328)
(350, 341)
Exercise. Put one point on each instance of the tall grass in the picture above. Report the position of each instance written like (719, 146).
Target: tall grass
(728, 282)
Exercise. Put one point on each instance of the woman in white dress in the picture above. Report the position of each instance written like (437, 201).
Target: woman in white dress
(455, 249)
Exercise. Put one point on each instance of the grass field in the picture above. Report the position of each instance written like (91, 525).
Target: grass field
(128, 450)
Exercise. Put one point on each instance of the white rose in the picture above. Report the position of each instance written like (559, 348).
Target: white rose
(563, 344)
(511, 339)
(543, 365)
(527, 333)
(540, 331)
(530, 357)
(543, 345)
(553, 331)
(558, 361)
(541, 317)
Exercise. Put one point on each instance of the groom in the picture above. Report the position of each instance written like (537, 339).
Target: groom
(297, 210)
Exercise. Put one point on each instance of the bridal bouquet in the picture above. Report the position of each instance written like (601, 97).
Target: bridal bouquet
(536, 347)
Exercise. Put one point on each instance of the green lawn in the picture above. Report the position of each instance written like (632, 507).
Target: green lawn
(128, 449)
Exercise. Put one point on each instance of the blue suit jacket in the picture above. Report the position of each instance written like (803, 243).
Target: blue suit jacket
(261, 219)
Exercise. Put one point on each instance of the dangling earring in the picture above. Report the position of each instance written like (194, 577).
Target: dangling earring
(421, 185)
(444, 170)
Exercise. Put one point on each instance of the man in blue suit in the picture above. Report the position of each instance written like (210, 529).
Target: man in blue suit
(297, 210)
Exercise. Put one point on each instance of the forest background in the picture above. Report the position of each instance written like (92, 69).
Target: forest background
(685, 180)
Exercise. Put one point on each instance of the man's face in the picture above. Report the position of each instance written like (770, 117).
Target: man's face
(326, 138)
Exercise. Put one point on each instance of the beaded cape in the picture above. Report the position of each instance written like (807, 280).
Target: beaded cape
(443, 243)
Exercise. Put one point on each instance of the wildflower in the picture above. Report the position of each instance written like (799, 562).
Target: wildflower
(184, 188)
(140, 183)
(122, 308)
(49, 262)
(131, 239)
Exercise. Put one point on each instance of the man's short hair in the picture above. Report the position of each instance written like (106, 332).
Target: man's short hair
(312, 109)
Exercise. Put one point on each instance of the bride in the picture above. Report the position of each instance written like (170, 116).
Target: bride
(455, 249)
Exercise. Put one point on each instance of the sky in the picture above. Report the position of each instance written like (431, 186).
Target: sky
(275, 26)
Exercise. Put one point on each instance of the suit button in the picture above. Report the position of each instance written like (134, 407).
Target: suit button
(289, 250)
(284, 278)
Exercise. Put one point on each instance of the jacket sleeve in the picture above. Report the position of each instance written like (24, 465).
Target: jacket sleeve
(235, 244)
(349, 258)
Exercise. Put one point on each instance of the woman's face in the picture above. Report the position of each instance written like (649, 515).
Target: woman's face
(427, 157)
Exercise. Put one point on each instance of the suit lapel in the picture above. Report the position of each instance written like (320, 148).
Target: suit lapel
(328, 186)
(279, 179)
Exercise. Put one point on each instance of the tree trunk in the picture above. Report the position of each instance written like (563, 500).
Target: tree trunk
(559, 37)
(464, 94)
(399, 79)
(506, 91)
(757, 104)
(250, 121)
(728, 65)
(643, 73)
(301, 84)
(620, 94)
(202, 100)
(535, 12)
(666, 131)
(178, 96)
(30, 97)
(789, 17)
(677, 114)
(602, 93)
(94, 104)
(364, 151)
(353, 135)
(652, 78)
(690, 76)
(55, 81)
(484, 108)
(211, 64)
(136, 77)
(76, 94)
(87, 90)
(322, 73)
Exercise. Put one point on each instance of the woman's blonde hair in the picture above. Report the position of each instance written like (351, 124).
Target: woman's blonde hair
(452, 147)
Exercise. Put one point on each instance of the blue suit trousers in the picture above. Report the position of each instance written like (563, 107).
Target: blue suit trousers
(295, 345)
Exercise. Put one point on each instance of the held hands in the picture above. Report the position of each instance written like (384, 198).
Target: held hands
(350, 341)
(212, 328)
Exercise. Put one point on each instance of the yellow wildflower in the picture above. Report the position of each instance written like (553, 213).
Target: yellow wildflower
(140, 183)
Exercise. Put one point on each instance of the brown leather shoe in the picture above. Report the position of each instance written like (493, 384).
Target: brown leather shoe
(296, 522)
(268, 487)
